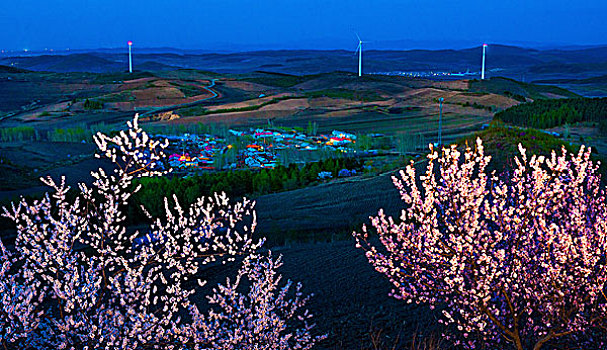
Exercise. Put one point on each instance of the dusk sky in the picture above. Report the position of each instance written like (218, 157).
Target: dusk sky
(237, 24)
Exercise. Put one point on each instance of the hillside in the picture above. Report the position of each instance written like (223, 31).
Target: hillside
(519, 90)
(591, 87)
(9, 69)
(48, 123)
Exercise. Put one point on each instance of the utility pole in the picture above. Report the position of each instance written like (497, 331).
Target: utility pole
(440, 121)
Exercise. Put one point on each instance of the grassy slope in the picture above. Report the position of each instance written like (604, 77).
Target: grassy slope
(504, 86)
(278, 80)
(321, 211)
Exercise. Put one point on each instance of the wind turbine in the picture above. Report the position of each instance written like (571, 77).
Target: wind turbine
(130, 57)
(440, 121)
(359, 49)
(483, 67)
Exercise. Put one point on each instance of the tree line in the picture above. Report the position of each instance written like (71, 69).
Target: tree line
(236, 184)
(78, 133)
(543, 114)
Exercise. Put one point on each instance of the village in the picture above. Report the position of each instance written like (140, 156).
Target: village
(252, 149)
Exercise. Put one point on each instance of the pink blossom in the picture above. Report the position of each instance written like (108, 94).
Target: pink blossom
(516, 262)
(76, 280)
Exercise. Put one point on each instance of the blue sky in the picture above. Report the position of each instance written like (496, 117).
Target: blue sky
(217, 24)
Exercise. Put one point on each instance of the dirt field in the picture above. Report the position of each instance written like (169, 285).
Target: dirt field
(32, 160)
(352, 114)
(287, 105)
(248, 86)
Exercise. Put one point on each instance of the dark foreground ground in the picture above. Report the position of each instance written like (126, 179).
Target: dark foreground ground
(350, 299)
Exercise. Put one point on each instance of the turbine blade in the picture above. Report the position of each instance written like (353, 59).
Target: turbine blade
(358, 37)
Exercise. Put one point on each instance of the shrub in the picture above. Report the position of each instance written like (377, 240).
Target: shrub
(78, 279)
(92, 104)
(514, 263)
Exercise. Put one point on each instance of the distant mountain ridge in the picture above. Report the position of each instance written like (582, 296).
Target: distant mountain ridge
(595, 80)
(503, 60)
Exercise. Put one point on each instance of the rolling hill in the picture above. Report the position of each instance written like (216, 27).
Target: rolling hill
(509, 61)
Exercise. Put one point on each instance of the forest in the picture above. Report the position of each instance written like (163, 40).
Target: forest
(544, 114)
(236, 184)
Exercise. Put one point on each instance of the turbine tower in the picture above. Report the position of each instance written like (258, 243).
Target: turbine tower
(440, 121)
(483, 67)
(130, 57)
(359, 49)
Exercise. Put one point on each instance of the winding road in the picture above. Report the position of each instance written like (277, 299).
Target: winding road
(183, 105)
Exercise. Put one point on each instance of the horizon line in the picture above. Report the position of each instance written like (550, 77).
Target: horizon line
(51, 51)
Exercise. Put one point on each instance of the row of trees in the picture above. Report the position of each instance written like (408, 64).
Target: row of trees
(551, 113)
(188, 128)
(235, 183)
(77, 133)
(19, 133)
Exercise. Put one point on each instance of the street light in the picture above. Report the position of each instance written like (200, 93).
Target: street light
(440, 121)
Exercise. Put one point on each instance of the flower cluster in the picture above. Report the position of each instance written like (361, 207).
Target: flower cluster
(517, 262)
(78, 278)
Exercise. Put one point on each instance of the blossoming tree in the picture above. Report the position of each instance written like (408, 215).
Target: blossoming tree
(77, 278)
(513, 263)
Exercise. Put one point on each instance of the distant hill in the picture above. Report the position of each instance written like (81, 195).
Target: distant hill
(66, 63)
(154, 66)
(588, 87)
(9, 69)
(595, 80)
(508, 61)
(583, 55)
